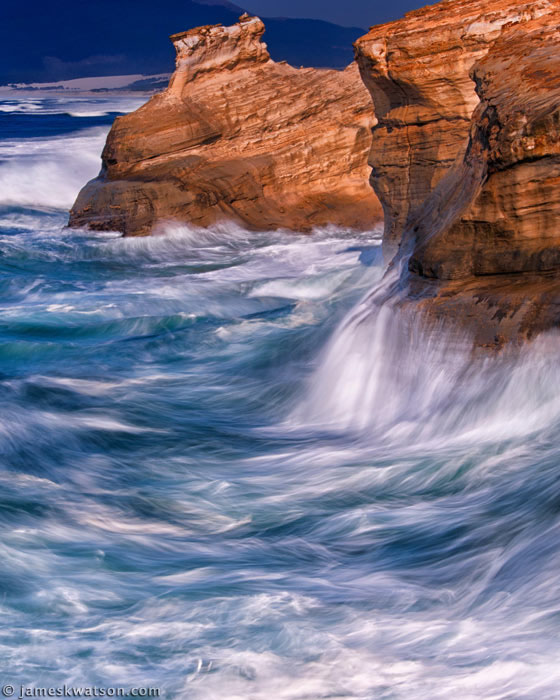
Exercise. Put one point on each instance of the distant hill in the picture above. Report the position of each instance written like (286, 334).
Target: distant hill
(60, 40)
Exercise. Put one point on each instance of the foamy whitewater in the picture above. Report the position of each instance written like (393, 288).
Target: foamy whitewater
(230, 472)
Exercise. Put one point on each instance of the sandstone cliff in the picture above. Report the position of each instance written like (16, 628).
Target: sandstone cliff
(237, 136)
(467, 163)
(417, 71)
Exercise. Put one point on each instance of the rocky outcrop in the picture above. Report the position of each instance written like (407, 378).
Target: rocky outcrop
(504, 193)
(241, 137)
(418, 72)
(481, 228)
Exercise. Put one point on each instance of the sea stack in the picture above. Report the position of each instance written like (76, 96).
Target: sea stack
(238, 136)
(466, 160)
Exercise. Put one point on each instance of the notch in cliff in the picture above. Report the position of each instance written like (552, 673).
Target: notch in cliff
(237, 136)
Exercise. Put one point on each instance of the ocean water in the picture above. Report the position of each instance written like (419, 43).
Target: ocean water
(228, 472)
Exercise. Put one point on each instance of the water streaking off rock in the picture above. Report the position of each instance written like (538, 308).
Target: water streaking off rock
(225, 476)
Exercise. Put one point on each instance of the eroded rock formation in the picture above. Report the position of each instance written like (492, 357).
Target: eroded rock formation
(418, 72)
(466, 159)
(241, 137)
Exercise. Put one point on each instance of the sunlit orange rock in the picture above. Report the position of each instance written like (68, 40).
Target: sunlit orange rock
(417, 70)
(238, 136)
(466, 159)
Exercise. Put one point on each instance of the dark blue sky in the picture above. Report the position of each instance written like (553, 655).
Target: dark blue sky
(357, 13)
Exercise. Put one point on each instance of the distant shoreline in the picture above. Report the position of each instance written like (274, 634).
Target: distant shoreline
(101, 84)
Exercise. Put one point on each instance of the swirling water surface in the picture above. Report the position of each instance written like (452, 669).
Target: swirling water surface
(226, 476)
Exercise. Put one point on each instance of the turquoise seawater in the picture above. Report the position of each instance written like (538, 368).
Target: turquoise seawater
(225, 472)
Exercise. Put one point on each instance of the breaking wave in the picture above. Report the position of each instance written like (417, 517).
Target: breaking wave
(45, 105)
(427, 381)
(48, 173)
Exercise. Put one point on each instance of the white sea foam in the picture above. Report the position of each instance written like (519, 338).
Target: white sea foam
(96, 108)
(49, 172)
(90, 113)
(388, 372)
(296, 288)
(23, 107)
(91, 387)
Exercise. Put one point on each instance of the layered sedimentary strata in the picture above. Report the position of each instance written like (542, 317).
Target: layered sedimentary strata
(481, 233)
(504, 193)
(418, 72)
(237, 136)
(493, 223)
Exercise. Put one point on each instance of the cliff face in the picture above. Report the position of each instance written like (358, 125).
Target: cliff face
(417, 71)
(237, 136)
(504, 192)
(475, 202)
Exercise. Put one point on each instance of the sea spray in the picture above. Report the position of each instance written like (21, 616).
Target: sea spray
(400, 377)
(45, 173)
